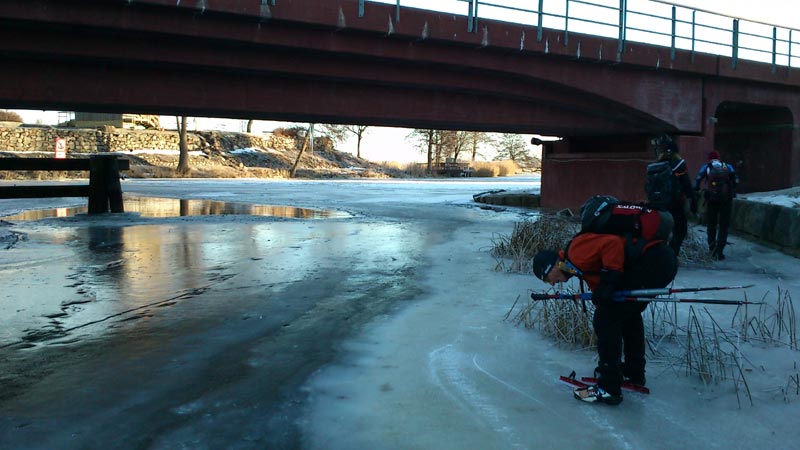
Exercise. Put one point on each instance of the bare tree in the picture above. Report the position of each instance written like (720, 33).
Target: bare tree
(474, 140)
(515, 148)
(308, 140)
(461, 142)
(183, 158)
(442, 144)
(426, 142)
(340, 134)
(511, 146)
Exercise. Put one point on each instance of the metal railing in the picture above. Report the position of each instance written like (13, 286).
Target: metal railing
(647, 21)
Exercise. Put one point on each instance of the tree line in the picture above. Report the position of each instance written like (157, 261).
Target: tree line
(437, 145)
(442, 145)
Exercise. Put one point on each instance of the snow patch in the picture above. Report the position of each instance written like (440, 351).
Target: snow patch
(245, 151)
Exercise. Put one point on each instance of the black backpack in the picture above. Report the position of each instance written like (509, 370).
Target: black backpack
(719, 182)
(639, 224)
(661, 185)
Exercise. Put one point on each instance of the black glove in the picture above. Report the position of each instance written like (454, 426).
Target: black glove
(603, 294)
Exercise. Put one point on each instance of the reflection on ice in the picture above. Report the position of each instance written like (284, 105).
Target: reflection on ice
(171, 207)
(80, 283)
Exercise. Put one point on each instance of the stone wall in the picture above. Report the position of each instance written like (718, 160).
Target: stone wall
(110, 139)
(773, 225)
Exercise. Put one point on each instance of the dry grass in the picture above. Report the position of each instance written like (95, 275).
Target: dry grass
(495, 169)
(712, 353)
(770, 324)
(508, 168)
(515, 253)
(416, 170)
(694, 249)
(146, 171)
(485, 170)
(396, 165)
(716, 354)
(566, 322)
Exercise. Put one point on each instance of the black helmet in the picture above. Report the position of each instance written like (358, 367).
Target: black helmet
(543, 262)
(665, 144)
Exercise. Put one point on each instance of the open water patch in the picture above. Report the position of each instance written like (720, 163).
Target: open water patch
(160, 207)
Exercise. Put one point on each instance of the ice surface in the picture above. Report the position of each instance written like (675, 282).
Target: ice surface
(382, 330)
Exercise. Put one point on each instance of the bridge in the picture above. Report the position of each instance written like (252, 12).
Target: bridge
(351, 61)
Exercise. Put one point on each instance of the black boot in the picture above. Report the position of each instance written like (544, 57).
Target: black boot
(633, 375)
(717, 253)
(609, 377)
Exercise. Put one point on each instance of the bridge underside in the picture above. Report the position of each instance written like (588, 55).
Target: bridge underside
(310, 61)
(174, 61)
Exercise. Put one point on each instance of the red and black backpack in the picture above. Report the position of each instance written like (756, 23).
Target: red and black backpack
(641, 226)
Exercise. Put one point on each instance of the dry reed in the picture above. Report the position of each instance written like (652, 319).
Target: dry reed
(514, 253)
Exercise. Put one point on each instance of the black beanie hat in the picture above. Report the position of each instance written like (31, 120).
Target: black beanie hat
(543, 262)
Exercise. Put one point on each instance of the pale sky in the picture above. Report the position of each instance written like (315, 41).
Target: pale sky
(390, 144)
(775, 12)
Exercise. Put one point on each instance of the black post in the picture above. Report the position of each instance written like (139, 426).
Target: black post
(98, 193)
(105, 191)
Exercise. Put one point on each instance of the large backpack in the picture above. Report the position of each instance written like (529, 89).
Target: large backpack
(661, 185)
(718, 176)
(642, 226)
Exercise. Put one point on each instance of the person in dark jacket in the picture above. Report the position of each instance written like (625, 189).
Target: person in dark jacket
(679, 207)
(599, 260)
(720, 180)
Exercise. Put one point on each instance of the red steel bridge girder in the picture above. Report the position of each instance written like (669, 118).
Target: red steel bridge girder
(237, 29)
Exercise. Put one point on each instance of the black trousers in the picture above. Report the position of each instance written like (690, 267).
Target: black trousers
(619, 325)
(680, 228)
(718, 213)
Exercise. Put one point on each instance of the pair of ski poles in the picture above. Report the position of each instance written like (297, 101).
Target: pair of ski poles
(652, 295)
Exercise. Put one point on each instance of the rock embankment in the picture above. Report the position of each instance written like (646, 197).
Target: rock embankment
(111, 139)
(154, 153)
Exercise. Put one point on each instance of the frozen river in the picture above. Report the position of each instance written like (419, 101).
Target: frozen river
(368, 316)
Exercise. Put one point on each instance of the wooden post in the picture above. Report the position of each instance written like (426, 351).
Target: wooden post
(105, 189)
(98, 195)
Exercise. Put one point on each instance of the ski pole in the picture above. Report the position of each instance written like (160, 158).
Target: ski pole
(588, 296)
(668, 291)
(708, 301)
(636, 292)
(557, 296)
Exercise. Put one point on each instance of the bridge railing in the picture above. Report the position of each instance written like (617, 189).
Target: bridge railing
(648, 21)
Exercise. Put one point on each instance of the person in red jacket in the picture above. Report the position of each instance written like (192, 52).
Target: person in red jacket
(599, 260)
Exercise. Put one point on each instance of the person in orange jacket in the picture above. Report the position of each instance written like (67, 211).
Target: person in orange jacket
(599, 260)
